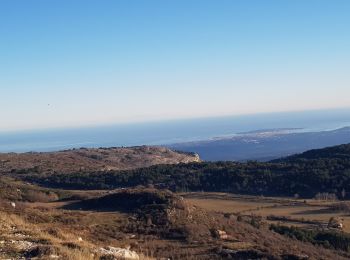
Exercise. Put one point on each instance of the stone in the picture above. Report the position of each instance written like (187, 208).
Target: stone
(119, 253)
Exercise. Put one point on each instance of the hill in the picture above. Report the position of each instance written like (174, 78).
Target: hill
(141, 223)
(330, 173)
(84, 159)
(340, 152)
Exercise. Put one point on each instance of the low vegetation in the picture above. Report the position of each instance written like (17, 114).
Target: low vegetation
(148, 222)
(92, 159)
(296, 176)
(60, 214)
(328, 239)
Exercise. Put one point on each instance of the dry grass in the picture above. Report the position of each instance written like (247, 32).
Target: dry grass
(234, 206)
(12, 226)
(57, 230)
(309, 210)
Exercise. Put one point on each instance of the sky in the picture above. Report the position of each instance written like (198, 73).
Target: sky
(67, 63)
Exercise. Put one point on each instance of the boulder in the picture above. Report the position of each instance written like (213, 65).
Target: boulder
(119, 253)
(221, 234)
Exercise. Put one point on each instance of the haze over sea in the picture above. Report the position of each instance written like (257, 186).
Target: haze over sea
(167, 132)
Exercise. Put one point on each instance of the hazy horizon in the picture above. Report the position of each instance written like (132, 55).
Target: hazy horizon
(82, 63)
(341, 111)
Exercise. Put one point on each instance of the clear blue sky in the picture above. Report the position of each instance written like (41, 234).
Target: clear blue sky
(70, 63)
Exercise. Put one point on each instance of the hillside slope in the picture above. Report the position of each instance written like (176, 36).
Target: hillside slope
(153, 224)
(328, 173)
(101, 159)
(334, 152)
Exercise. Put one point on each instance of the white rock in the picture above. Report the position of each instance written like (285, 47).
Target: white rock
(22, 245)
(119, 253)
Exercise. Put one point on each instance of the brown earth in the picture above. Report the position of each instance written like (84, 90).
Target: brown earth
(154, 223)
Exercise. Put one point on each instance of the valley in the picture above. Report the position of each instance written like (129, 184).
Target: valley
(309, 213)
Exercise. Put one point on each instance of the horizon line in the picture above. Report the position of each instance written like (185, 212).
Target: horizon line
(157, 121)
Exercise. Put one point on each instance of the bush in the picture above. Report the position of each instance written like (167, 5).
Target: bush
(328, 239)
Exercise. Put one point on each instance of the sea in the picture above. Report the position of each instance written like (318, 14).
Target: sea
(169, 131)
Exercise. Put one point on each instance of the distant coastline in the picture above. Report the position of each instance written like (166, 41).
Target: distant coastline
(263, 145)
(170, 132)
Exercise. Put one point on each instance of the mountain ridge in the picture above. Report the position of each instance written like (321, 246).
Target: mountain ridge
(94, 159)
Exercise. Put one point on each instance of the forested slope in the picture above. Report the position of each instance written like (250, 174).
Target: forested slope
(318, 171)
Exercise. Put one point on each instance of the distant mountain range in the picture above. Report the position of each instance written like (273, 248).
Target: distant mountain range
(263, 145)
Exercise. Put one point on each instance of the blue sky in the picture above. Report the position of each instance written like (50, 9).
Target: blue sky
(71, 63)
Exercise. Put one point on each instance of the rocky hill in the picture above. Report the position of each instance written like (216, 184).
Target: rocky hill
(140, 223)
(100, 159)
